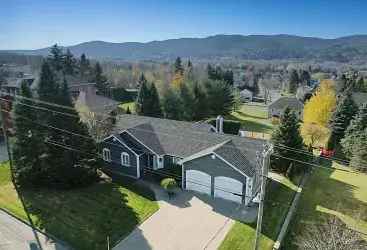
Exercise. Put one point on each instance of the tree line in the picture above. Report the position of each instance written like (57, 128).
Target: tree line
(186, 98)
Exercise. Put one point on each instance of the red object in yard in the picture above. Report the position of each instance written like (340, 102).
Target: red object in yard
(327, 153)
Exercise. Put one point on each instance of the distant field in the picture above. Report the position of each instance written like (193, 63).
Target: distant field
(331, 192)
(253, 118)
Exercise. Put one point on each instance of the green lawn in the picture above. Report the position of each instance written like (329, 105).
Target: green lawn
(241, 236)
(253, 118)
(329, 192)
(83, 217)
(131, 106)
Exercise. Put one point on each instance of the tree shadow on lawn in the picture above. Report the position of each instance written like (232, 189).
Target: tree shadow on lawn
(252, 125)
(82, 217)
(262, 117)
(322, 197)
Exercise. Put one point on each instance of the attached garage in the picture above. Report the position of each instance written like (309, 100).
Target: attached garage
(228, 189)
(198, 181)
(209, 174)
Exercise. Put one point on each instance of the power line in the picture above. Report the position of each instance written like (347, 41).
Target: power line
(76, 116)
(309, 153)
(148, 131)
(144, 130)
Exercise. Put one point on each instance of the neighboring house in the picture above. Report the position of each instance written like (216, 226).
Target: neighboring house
(13, 85)
(216, 164)
(276, 108)
(304, 93)
(85, 96)
(359, 98)
(246, 95)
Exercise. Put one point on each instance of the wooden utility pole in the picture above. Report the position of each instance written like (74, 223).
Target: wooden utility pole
(264, 173)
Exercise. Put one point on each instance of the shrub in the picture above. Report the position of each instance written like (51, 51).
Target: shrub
(169, 184)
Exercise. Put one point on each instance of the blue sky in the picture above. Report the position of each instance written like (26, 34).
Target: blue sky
(30, 24)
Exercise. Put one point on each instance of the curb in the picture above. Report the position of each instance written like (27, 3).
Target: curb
(50, 236)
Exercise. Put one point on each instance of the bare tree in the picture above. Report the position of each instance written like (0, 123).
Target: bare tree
(98, 125)
(333, 235)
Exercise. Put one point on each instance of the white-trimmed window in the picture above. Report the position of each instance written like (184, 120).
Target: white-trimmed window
(125, 159)
(106, 154)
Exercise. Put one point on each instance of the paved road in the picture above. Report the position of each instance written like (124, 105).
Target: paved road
(15, 235)
(188, 222)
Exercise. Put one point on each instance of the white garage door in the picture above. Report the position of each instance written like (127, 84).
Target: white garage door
(228, 188)
(198, 181)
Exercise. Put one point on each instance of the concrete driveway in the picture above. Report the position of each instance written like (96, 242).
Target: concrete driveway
(187, 222)
(15, 235)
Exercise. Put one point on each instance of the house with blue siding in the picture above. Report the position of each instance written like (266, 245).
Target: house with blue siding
(220, 165)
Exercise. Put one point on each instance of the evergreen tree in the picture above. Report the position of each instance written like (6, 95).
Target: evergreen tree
(189, 64)
(56, 58)
(47, 86)
(220, 97)
(201, 109)
(172, 105)
(359, 158)
(128, 110)
(360, 85)
(293, 82)
(211, 72)
(178, 68)
(84, 67)
(189, 71)
(142, 100)
(69, 63)
(305, 77)
(187, 102)
(286, 134)
(228, 77)
(28, 146)
(343, 114)
(100, 80)
(353, 132)
(154, 106)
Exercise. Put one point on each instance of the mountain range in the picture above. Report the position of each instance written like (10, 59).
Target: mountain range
(341, 49)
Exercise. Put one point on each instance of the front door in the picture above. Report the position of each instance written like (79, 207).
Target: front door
(150, 161)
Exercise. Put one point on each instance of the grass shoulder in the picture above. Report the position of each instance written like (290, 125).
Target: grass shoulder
(331, 192)
(279, 195)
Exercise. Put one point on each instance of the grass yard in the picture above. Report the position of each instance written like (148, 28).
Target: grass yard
(329, 192)
(83, 217)
(131, 106)
(280, 193)
(253, 118)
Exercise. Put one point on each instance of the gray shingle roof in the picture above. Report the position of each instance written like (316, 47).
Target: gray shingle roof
(283, 102)
(184, 139)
